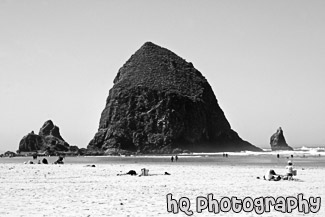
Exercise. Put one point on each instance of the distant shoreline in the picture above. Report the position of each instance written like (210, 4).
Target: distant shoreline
(300, 152)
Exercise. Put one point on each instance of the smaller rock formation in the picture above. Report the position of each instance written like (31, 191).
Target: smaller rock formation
(49, 129)
(48, 139)
(9, 154)
(278, 142)
(31, 142)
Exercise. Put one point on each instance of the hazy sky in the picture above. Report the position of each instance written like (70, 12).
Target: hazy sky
(265, 61)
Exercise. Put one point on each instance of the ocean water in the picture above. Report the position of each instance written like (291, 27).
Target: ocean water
(302, 158)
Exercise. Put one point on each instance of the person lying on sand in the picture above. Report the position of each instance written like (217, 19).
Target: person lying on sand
(93, 165)
(272, 176)
(131, 172)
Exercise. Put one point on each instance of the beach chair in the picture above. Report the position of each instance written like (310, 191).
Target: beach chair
(144, 172)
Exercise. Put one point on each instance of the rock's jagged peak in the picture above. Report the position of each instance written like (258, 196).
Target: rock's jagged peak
(49, 129)
(46, 128)
(49, 137)
(155, 67)
(149, 45)
(150, 48)
(278, 141)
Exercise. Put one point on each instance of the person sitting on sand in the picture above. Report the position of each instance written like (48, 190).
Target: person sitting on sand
(44, 161)
(272, 176)
(289, 169)
(59, 160)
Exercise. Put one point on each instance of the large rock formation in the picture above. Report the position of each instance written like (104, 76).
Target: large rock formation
(160, 103)
(278, 141)
(49, 139)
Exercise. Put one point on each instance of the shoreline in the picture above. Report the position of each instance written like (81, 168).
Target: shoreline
(270, 161)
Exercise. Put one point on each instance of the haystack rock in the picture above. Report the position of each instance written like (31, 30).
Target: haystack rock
(278, 141)
(49, 138)
(161, 104)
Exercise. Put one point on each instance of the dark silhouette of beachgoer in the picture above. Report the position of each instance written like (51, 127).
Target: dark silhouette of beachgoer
(289, 169)
(44, 161)
(59, 160)
(93, 165)
(132, 173)
(34, 156)
(176, 158)
(291, 156)
(172, 158)
(272, 176)
(278, 156)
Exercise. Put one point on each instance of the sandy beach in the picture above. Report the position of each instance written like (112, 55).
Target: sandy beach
(77, 190)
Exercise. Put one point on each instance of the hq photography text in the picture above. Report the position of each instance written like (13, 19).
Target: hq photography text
(258, 205)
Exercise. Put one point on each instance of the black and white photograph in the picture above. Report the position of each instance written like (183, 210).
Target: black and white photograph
(162, 108)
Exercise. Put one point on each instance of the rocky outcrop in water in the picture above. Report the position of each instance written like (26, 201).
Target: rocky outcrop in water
(278, 141)
(159, 104)
(48, 139)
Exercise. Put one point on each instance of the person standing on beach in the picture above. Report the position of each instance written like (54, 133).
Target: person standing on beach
(176, 158)
(172, 159)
